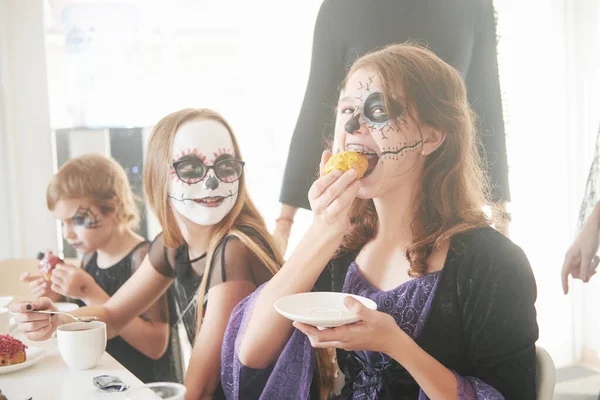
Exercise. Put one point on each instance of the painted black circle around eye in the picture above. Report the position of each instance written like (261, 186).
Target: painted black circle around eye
(374, 109)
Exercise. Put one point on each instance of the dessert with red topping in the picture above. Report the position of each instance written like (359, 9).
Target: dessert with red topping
(48, 262)
(12, 351)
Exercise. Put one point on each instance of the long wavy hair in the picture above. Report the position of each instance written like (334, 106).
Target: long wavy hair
(243, 217)
(454, 188)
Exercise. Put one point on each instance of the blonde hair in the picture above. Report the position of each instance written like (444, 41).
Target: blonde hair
(243, 217)
(454, 188)
(99, 179)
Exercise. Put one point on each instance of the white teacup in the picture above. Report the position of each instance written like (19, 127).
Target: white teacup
(82, 344)
(4, 321)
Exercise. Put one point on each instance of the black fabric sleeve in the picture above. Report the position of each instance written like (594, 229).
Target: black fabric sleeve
(483, 86)
(157, 255)
(315, 122)
(496, 296)
(138, 254)
(233, 261)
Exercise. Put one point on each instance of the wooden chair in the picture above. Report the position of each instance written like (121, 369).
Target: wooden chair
(10, 271)
(12, 268)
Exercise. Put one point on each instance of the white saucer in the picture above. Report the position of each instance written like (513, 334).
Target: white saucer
(5, 301)
(320, 309)
(66, 306)
(34, 354)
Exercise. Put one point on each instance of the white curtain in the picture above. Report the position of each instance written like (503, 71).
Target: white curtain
(26, 226)
(5, 229)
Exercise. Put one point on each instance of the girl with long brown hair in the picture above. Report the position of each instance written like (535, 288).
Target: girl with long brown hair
(214, 249)
(455, 299)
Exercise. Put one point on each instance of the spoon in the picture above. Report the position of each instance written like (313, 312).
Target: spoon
(78, 319)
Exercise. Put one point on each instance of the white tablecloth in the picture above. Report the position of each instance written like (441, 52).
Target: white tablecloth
(52, 379)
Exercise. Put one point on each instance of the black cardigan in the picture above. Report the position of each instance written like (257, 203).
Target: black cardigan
(462, 32)
(482, 322)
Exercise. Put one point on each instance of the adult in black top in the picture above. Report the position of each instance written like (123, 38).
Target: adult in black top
(462, 32)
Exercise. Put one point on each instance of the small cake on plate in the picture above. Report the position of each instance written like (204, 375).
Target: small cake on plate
(12, 351)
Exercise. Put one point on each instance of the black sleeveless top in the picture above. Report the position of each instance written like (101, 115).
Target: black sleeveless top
(167, 368)
(231, 261)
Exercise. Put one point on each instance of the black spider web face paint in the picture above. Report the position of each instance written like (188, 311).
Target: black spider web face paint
(87, 218)
(366, 85)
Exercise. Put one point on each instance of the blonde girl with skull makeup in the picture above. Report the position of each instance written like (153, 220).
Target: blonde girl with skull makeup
(91, 197)
(214, 249)
(455, 314)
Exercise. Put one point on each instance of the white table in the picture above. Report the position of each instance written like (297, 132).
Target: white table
(52, 379)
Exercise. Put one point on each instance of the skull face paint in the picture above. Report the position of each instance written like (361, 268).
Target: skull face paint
(204, 172)
(83, 225)
(365, 123)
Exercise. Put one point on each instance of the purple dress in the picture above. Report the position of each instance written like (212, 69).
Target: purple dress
(370, 375)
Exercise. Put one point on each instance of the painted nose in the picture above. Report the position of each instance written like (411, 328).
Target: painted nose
(353, 125)
(211, 183)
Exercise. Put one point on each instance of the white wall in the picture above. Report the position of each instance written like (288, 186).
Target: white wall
(548, 58)
(5, 218)
(27, 163)
(83, 141)
(584, 42)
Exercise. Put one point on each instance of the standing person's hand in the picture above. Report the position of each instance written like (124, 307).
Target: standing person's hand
(581, 259)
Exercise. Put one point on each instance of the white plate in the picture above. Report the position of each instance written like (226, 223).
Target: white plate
(320, 309)
(66, 306)
(34, 354)
(5, 300)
